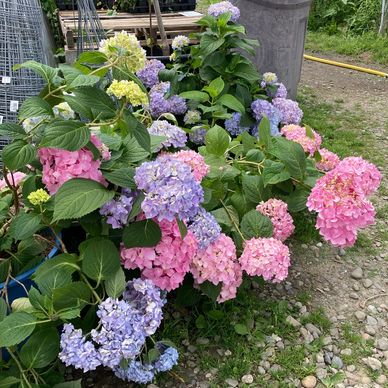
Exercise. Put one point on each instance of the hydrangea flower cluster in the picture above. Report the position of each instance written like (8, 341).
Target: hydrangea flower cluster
(233, 126)
(205, 228)
(340, 199)
(64, 111)
(192, 117)
(38, 197)
(15, 179)
(223, 7)
(159, 104)
(290, 113)
(196, 162)
(31, 122)
(124, 49)
(129, 90)
(262, 108)
(277, 211)
(281, 91)
(149, 75)
(299, 135)
(176, 137)
(197, 135)
(59, 166)
(329, 160)
(266, 257)
(179, 42)
(167, 263)
(218, 264)
(269, 79)
(170, 189)
(117, 210)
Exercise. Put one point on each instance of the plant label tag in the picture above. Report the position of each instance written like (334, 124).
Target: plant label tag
(5, 79)
(190, 13)
(1, 119)
(14, 106)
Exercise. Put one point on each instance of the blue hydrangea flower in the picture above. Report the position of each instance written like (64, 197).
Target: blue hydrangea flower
(170, 189)
(176, 137)
(167, 359)
(136, 372)
(222, 7)
(290, 113)
(149, 74)
(233, 126)
(205, 228)
(262, 108)
(197, 135)
(159, 104)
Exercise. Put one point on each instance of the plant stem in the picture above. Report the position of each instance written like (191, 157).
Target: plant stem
(13, 188)
(19, 366)
(84, 278)
(232, 220)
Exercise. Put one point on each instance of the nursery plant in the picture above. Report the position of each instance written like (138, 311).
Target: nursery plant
(160, 183)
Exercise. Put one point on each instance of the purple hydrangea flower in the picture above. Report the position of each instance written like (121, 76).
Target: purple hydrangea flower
(136, 372)
(290, 113)
(168, 358)
(149, 73)
(281, 92)
(274, 128)
(263, 107)
(146, 298)
(197, 135)
(76, 351)
(222, 7)
(233, 126)
(159, 104)
(205, 228)
(170, 189)
(117, 210)
(176, 137)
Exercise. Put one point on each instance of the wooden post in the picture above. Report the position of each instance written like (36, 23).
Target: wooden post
(165, 45)
(384, 17)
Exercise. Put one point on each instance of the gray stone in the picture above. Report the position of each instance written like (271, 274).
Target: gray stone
(227, 353)
(346, 352)
(373, 363)
(261, 370)
(308, 337)
(327, 340)
(203, 341)
(319, 358)
(360, 315)
(192, 348)
(356, 287)
(293, 322)
(342, 252)
(370, 330)
(328, 357)
(351, 368)
(312, 328)
(321, 373)
(357, 273)
(337, 363)
(309, 382)
(247, 379)
(382, 379)
(367, 283)
(353, 295)
(382, 344)
(371, 320)
(231, 382)
(275, 368)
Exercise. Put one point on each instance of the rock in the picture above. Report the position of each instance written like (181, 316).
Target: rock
(275, 368)
(351, 368)
(337, 363)
(367, 283)
(356, 287)
(372, 362)
(328, 357)
(371, 320)
(261, 370)
(309, 382)
(247, 379)
(321, 373)
(293, 322)
(227, 353)
(353, 295)
(370, 330)
(308, 337)
(203, 341)
(319, 358)
(152, 386)
(357, 273)
(342, 252)
(382, 344)
(327, 340)
(382, 379)
(360, 315)
(231, 382)
(192, 348)
(346, 352)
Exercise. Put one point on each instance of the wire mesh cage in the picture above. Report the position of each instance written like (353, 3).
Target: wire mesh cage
(22, 38)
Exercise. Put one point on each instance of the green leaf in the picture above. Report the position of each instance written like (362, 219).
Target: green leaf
(217, 141)
(291, 154)
(66, 134)
(254, 224)
(274, 172)
(195, 95)
(215, 87)
(64, 263)
(9, 381)
(136, 207)
(152, 355)
(231, 102)
(18, 154)
(138, 130)
(253, 188)
(115, 284)
(69, 384)
(133, 152)
(83, 80)
(265, 132)
(3, 309)
(210, 290)
(200, 322)
(78, 197)
(209, 44)
(41, 349)
(241, 329)
(227, 217)
(122, 177)
(24, 225)
(49, 74)
(296, 201)
(92, 57)
(14, 131)
(182, 228)
(145, 233)
(15, 328)
(22, 304)
(255, 156)
(72, 295)
(100, 258)
(247, 72)
(34, 107)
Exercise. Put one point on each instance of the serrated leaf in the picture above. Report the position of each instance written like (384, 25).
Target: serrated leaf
(12, 130)
(253, 188)
(231, 102)
(78, 197)
(115, 285)
(24, 225)
(93, 57)
(49, 74)
(34, 107)
(217, 141)
(9, 381)
(254, 224)
(274, 172)
(83, 80)
(66, 134)
(138, 130)
(211, 290)
(122, 177)
(195, 95)
(64, 263)
(18, 154)
(296, 201)
(73, 295)
(15, 328)
(136, 207)
(265, 132)
(145, 233)
(241, 329)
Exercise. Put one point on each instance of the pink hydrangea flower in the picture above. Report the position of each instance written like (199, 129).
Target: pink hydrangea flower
(167, 263)
(14, 179)
(340, 199)
(218, 264)
(266, 257)
(282, 222)
(329, 160)
(104, 150)
(196, 162)
(298, 134)
(59, 166)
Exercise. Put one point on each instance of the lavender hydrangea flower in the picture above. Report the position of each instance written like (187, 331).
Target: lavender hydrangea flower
(263, 107)
(159, 104)
(149, 74)
(290, 113)
(168, 358)
(233, 126)
(197, 135)
(192, 117)
(146, 298)
(274, 128)
(205, 228)
(76, 351)
(137, 372)
(170, 189)
(281, 92)
(176, 137)
(117, 210)
(222, 7)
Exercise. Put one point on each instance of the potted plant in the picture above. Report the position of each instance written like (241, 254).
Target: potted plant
(186, 176)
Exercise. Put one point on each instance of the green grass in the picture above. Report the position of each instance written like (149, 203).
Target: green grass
(370, 43)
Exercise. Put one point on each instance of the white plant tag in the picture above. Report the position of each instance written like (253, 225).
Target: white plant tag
(5, 79)
(14, 106)
(1, 119)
